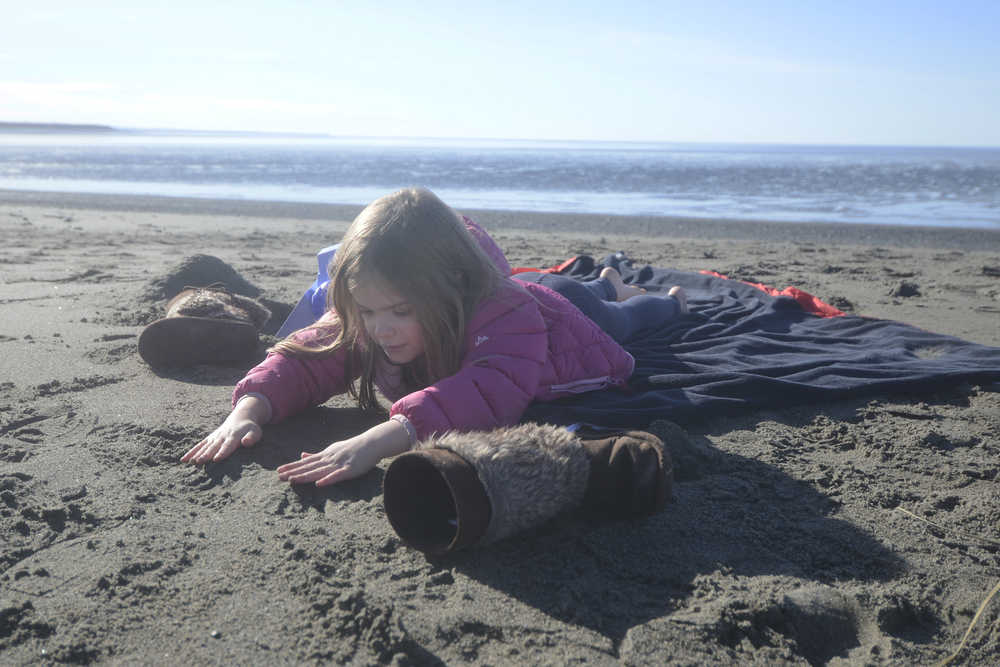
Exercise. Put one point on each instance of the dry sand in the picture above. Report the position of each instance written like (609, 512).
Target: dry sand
(857, 532)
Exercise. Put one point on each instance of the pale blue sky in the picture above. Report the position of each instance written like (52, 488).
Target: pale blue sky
(891, 72)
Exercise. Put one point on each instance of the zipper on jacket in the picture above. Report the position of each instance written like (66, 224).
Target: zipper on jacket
(582, 386)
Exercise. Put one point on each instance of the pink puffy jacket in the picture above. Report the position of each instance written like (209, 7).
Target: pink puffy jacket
(525, 343)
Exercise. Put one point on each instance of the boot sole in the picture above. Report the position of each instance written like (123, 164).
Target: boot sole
(186, 341)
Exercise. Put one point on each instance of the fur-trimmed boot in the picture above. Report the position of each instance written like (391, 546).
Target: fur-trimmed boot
(204, 325)
(461, 489)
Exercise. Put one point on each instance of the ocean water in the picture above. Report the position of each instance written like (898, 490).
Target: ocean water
(945, 187)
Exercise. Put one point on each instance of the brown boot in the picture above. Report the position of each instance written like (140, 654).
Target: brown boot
(464, 488)
(631, 473)
(203, 325)
(460, 489)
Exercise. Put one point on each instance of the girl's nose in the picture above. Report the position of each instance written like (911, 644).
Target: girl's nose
(383, 328)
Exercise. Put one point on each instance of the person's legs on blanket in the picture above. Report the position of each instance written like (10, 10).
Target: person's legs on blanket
(624, 319)
(619, 319)
(622, 290)
(590, 297)
(678, 293)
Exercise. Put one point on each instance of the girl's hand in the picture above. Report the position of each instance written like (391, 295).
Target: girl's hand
(224, 440)
(241, 428)
(339, 462)
(349, 458)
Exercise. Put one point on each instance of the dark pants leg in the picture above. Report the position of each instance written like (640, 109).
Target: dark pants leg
(619, 319)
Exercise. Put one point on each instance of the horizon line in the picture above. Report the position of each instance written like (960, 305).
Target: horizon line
(98, 128)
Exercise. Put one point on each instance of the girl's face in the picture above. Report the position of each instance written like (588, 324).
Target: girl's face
(390, 321)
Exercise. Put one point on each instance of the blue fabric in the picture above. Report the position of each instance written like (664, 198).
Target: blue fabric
(740, 348)
(312, 305)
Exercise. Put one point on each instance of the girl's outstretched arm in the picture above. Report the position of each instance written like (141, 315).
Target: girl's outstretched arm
(242, 427)
(349, 458)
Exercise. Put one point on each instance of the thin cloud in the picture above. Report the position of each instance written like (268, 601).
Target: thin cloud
(93, 95)
(42, 15)
(256, 104)
(45, 96)
(701, 53)
(32, 88)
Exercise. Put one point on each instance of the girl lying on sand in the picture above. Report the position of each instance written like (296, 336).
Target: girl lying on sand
(421, 305)
(432, 319)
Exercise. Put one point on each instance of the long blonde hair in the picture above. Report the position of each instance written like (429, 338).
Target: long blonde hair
(421, 249)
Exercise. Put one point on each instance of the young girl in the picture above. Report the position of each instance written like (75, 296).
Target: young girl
(422, 307)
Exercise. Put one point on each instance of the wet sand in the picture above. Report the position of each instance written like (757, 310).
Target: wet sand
(856, 532)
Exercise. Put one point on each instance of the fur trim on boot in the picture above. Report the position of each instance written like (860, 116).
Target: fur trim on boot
(530, 473)
(218, 303)
(203, 325)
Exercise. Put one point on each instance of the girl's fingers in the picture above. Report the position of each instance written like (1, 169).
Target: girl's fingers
(225, 449)
(194, 451)
(290, 466)
(207, 452)
(199, 451)
(214, 450)
(306, 457)
(340, 474)
(187, 456)
(222, 442)
(299, 467)
(311, 475)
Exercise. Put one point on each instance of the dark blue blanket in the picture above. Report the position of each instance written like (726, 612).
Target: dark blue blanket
(741, 348)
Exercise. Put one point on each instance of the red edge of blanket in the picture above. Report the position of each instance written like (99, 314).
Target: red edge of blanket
(809, 303)
(558, 268)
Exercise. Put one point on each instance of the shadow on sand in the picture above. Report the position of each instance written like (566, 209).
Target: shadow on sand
(730, 514)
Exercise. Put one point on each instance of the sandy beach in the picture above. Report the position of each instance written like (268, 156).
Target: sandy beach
(863, 531)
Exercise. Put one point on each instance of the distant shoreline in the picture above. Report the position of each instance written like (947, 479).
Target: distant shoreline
(53, 128)
(647, 226)
(11, 127)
